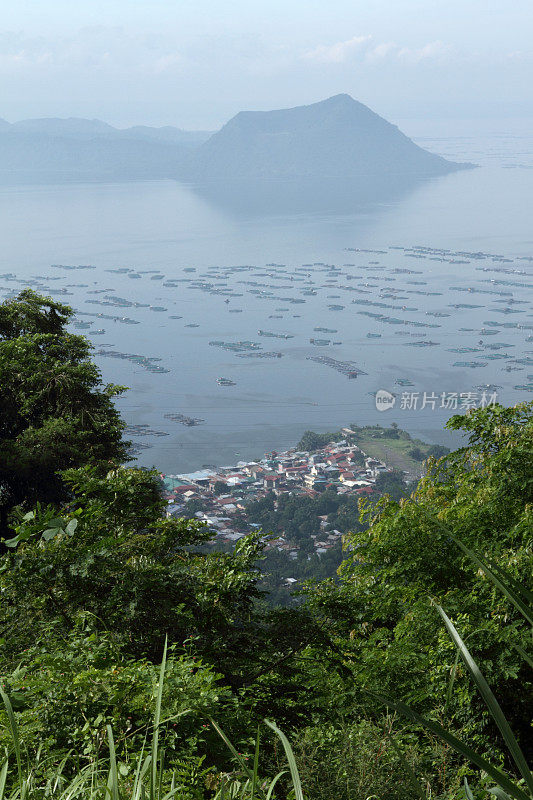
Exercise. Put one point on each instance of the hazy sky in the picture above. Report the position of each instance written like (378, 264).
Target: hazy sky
(195, 63)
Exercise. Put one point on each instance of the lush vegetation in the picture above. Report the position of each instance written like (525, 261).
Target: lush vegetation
(110, 610)
(393, 445)
(55, 412)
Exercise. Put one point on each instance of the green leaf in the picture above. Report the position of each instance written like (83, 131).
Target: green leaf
(469, 795)
(50, 533)
(3, 778)
(229, 745)
(456, 744)
(273, 783)
(57, 522)
(14, 732)
(497, 792)
(12, 542)
(157, 719)
(492, 704)
(112, 781)
(517, 594)
(71, 527)
(524, 655)
(256, 765)
(296, 783)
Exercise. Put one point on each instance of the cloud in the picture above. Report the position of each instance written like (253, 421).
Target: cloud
(431, 50)
(364, 49)
(339, 52)
(91, 48)
(381, 51)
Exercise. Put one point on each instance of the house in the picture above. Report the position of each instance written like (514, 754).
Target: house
(315, 482)
(180, 491)
(346, 476)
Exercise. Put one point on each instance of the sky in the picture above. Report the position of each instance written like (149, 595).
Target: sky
(196, 63)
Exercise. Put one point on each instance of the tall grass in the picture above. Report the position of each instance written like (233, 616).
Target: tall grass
(154, 780)
(102, 780)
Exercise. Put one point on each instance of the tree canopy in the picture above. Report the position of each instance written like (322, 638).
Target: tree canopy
(55, 412)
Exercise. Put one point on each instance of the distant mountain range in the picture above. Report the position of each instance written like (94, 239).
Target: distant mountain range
(65, 150)
(335, 138)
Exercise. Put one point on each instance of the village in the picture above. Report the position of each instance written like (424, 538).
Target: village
(223, 494)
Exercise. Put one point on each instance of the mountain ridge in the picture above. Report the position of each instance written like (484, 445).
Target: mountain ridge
(335, 137)
(82, 127)
(338, 137)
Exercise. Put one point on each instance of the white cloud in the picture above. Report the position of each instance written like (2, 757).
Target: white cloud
(381, 51)
(363, 48)
(338, 52)
(431, 50)
(91, 48)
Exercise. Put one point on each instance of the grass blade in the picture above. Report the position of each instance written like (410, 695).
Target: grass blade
(239, 758)
(517, 594)
(297, 786)
(14, 733)
(449, 691)
(460, 747)
(140, 770)
(157, 718)
(112, 781)
(491, 702)
(524, 655)
(273, 783)
(256, 765)
(3, 778)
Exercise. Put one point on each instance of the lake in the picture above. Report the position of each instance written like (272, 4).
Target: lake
(180, 252)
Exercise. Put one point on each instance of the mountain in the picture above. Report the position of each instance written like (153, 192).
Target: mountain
(337, 138)
(70, 128)
(80, 128)
(54, 150)
(334, 138)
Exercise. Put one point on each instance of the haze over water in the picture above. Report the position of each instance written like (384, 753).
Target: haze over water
(171, 227)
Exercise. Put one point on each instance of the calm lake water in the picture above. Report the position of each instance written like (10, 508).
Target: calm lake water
(174, 229)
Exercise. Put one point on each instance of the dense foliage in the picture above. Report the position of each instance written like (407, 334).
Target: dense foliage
(55, 412)
(94, 579)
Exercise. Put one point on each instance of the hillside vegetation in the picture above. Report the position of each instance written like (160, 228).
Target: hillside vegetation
(137, 663)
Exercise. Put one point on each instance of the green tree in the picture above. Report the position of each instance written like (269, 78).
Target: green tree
(110, 553)
(380, 613)
(391, 483)
(55, 411)
(437, 451)
(417, 454)
(314, 441)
